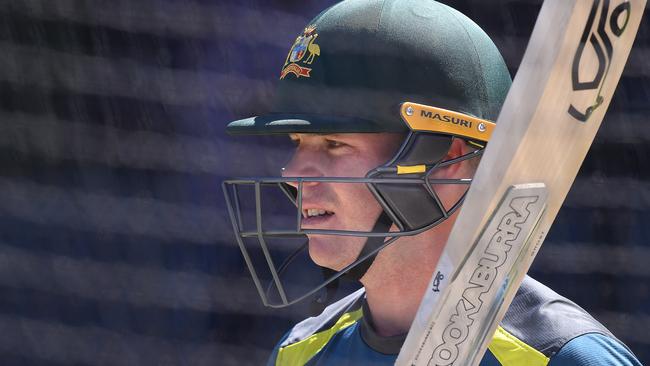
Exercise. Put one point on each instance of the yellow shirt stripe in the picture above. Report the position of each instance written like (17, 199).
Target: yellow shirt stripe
(301, 352)
(506, 348)
(511, 351)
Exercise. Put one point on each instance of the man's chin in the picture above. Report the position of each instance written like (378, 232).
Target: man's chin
(330, 251)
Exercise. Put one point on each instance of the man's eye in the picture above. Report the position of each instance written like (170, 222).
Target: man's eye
(332, 144)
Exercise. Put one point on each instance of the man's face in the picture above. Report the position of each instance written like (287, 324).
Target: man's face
(339, 206)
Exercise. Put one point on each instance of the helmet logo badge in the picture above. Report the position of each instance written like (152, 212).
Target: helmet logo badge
(303, 45)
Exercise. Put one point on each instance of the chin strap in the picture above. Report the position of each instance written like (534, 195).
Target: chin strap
(321, 301)
(382, 225)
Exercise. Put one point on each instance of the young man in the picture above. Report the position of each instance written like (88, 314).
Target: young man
(379, 197)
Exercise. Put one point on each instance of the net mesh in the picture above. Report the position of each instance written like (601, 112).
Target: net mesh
(115, 246)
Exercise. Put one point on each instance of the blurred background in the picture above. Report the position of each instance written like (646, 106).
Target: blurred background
(115, 248)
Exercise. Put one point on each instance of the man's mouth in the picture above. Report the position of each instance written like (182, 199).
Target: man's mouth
(315, 212)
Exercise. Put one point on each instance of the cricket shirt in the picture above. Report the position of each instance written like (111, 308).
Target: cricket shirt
(540, 328)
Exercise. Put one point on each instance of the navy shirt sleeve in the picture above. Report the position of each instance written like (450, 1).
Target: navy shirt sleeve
(594, 349)
(274, 355)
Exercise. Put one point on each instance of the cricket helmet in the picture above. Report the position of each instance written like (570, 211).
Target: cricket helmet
(417, 67)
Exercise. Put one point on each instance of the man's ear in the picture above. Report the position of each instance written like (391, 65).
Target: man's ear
(456, 150)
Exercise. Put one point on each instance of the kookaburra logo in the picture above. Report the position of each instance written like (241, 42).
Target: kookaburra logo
(598, 39)
(495, 254)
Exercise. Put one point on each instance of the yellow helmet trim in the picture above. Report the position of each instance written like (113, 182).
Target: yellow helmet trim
(402, 169)
(420, 117)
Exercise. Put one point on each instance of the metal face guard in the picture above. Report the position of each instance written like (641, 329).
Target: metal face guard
(276, 294)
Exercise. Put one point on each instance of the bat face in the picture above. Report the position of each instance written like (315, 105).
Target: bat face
(506, 235)
(559, 96)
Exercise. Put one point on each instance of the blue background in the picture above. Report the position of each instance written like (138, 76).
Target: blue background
(115, 248)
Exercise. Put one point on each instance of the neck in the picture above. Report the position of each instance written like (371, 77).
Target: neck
(395, 288)
(399, 276)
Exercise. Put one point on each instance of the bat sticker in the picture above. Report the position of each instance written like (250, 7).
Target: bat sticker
(507, 232)
(602, 47)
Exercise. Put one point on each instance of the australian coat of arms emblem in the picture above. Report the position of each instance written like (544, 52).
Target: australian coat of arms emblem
(303, 46)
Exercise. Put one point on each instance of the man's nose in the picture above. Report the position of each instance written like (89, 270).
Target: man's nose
(302, 165)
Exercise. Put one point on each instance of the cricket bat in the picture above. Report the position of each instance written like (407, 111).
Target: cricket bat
(551, 114)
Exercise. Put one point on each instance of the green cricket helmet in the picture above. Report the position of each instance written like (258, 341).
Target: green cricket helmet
(417, 67)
